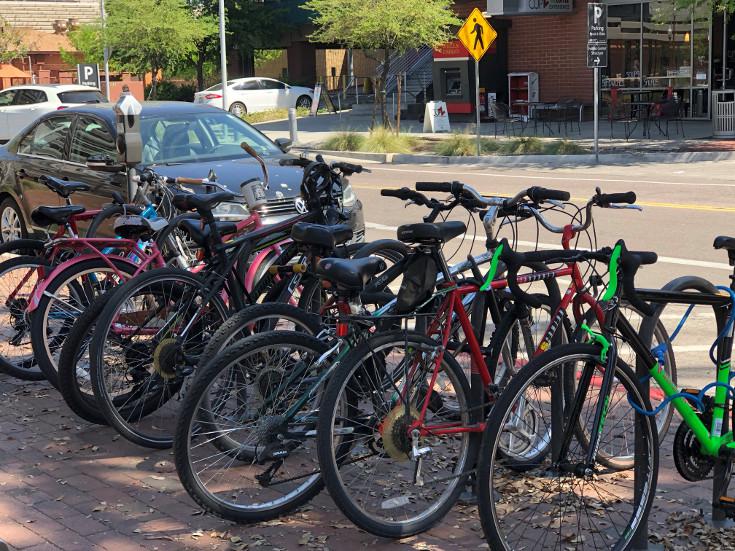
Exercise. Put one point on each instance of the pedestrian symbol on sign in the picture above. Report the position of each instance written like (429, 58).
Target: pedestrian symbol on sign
(477, 30)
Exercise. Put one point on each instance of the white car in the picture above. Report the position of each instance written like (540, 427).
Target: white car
(248, 95)
(21, 105)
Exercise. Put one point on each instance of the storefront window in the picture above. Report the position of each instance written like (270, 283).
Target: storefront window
(657, 49)
(624, 39)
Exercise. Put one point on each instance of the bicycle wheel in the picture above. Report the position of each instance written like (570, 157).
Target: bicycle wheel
(101, 225)
(237, 453)
(259, 318)
(18, 279)
(75, 383)
(387, 480)
(25, 247)
(147, 341)
(548, 506)
(617, 454)
(177, 247)
(64, 299)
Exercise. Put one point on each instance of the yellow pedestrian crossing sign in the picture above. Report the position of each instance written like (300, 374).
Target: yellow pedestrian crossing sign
(477, 34)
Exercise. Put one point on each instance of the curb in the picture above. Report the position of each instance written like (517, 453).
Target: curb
(518, 160)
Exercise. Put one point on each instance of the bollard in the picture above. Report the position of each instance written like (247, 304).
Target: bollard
(292, 127)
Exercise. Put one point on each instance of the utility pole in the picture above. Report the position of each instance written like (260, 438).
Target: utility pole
(223, 52)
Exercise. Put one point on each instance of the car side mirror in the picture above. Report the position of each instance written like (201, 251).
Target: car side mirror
(104, 163)
(284, 144)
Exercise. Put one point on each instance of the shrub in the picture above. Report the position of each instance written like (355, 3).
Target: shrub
(172, 91)
(345, 141)
(564, 147)
(383, 140)
(457, 145)
(522, 146)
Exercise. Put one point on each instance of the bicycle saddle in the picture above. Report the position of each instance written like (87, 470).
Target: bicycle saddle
(201, 201)
(350, 273)
(327, 237)
(136, 227)
(724, 242)
(427, 233)
(200, 235)
(62, 187)
(44, 217)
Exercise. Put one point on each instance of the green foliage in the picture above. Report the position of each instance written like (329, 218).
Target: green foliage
(273, 115)
(383, 140)
(11, 43)
(172, 91)
(150, 35)
(457, 145)
(522, 146)
(345, 141)
(264, 56)
(396, 25)
(565, 147)
(87, 41)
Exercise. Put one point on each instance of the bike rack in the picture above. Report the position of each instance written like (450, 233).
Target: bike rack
(669, 295)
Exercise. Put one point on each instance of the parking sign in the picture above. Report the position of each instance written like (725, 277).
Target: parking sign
(88, 74)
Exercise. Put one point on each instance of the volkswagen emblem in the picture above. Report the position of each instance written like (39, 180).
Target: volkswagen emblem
(300, 205)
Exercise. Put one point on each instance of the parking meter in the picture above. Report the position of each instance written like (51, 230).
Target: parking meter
(129, 141)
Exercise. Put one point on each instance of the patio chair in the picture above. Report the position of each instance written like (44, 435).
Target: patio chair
(501, 114)
(666, 112)
(571, 114)
(620, 113)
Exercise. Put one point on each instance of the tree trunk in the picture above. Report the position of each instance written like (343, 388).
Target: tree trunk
(199, 64)
(154, 82)
(398, 112)
(383, 92)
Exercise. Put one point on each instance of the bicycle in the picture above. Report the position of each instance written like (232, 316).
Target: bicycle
(535, 405)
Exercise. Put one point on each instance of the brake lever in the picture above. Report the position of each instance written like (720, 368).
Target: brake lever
(558, 204)
(630, 207)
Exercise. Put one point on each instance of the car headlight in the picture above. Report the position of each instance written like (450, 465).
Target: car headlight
(348, 196)
(231, 211)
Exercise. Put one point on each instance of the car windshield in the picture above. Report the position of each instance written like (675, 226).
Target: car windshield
(81, 96)
(199, 136)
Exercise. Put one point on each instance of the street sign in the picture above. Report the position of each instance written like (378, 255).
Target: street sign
(477, 34)
(596, 35)
(88, 75)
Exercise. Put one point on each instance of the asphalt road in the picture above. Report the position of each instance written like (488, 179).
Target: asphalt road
(684, 207)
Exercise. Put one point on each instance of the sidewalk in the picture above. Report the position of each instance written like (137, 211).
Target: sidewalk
(74, 486)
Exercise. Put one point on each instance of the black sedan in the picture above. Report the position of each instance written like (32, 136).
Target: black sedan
(179, 139)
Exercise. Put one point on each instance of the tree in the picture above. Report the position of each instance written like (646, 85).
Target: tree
(391, 26)
(151, 35)
(253, 25)
(87, 42)
(12, 45)
(207, 47)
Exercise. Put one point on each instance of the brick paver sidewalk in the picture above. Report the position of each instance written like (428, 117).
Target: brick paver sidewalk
(66, 484)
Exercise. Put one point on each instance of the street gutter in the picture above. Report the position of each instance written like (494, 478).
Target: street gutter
(587, 159)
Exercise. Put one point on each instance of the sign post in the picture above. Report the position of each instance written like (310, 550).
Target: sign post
(477, 35)
(597, 57)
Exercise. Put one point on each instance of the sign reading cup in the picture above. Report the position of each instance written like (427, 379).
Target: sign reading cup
(88, 75)
(436, 117)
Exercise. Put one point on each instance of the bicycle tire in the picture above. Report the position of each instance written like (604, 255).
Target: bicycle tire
(177, 250)
(44, 347)
(193, 420)
(165, 378)
(330, 465)
(76, 349)
(497, 508)
(24, 368)
(108, 213)
(24, 247)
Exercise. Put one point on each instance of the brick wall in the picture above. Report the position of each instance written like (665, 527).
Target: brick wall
(555, 48)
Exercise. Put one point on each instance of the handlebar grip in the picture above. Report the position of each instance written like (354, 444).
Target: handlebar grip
(348, 168)
(629, 263)
(541, 194)
(403, 193)
(190, 181)
(446, 187)
(605, 199)
(513, 262)
(296, 161)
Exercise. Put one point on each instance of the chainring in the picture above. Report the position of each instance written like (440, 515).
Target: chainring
(394, 432)
(688, 458)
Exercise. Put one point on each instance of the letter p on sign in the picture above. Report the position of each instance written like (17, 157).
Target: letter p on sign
(598, 14)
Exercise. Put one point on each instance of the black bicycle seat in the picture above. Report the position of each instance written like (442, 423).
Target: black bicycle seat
(200, 235)
(44, 217)
(428, 233)
(350, 273)
(724, 242)
(327, 237)
(62, 187)
(201, 201)
(133, 226)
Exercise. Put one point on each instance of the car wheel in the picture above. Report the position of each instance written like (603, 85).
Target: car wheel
(238, 109)
(303, 101)
(12, 226)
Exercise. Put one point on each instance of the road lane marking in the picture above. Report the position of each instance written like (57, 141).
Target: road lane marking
(533, 244)
(562, 178)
